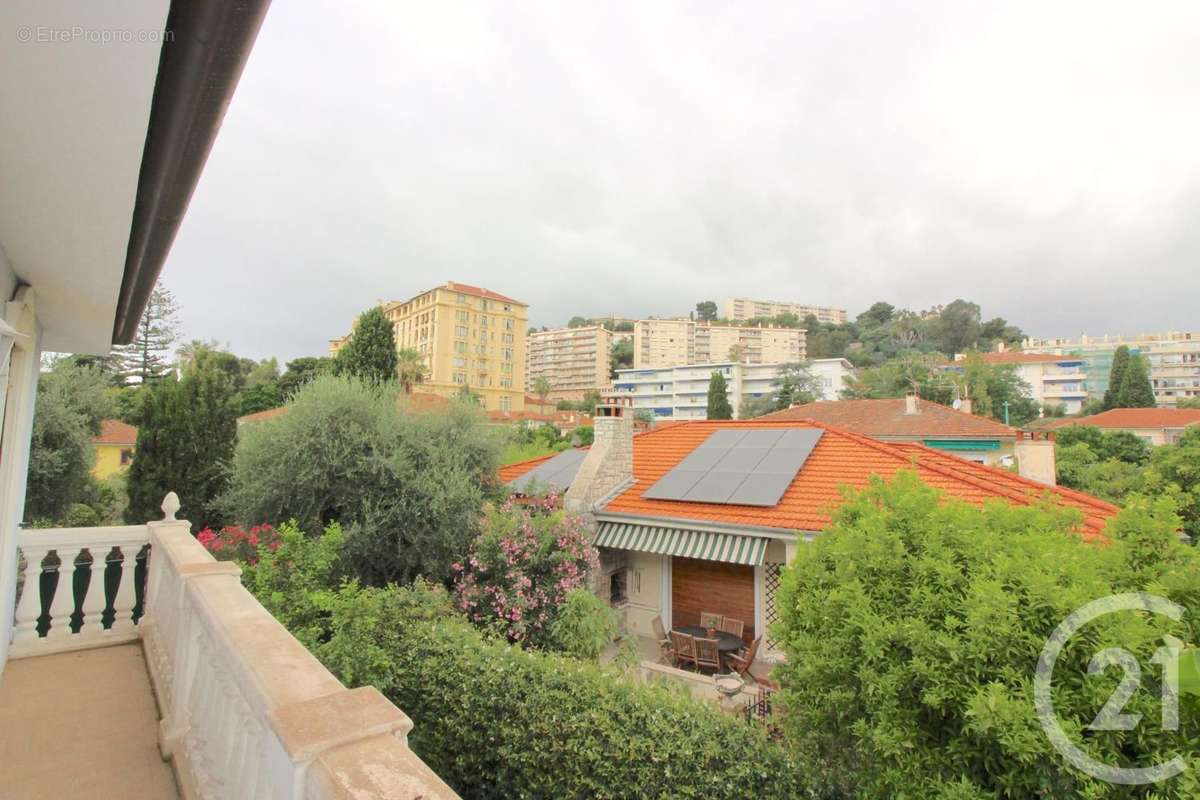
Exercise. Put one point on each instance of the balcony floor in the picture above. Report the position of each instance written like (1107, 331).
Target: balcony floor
(81, 724)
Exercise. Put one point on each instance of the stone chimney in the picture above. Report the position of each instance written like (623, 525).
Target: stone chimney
(911, 405)
(609, 461)
(1035, 457)
(964, 405)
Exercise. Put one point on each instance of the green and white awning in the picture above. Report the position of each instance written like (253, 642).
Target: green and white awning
(727, 547)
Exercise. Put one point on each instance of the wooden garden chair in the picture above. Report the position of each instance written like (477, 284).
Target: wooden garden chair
(684, 647)
(740, 662)
(708, 620)
(708, 654)
(734, 626)
(664, 640)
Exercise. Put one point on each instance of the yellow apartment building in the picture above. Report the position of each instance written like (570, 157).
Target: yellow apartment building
(469, 336)
(678, 342)
(743, 308)
(114, 448)
(574, 360)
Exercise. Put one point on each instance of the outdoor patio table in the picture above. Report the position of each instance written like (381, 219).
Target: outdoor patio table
(726, 642)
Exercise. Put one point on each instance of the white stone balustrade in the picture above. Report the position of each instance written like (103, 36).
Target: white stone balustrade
(67, 544)
(247, 711)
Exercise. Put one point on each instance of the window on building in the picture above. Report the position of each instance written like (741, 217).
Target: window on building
(505, 403)
(460, 331)
(462, 298)
(460, 377)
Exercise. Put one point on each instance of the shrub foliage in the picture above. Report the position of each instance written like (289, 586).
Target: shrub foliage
(913, 626)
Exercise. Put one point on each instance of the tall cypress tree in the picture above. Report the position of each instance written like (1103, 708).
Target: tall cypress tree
(186, 438)
(1136, 391)
(1116, 374)
(718, 399)
(370, 355)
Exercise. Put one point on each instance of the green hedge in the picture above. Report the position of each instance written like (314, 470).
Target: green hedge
(495, 721)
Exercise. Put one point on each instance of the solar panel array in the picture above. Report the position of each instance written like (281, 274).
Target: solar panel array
(557, 473)
(739, 467)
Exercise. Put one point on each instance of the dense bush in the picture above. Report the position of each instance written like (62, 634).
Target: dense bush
(408, 487)
(496, 721)
(233, 543)
(520, 569)
(913, 626)
(583, 626)
(1121, 445)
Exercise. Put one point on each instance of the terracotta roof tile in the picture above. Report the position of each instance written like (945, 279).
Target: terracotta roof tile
(113, 431)
(840, 459)
(262, 416)
(1142, 418)
(888, 418)
(477, 291)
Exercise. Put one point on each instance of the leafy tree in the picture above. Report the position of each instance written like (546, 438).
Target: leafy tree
(1179, 465)
(258, 398)
(706, 311)
(71, 402)
(1105, 445)
(370, 355)
(146, 357)
(467, 397)
(263, 373)
(736, 353)
(542, 388)
(957, 327)
(644, 415)
(992, 386)
(578, 322)
(583, 436)
(895, 378)
(997, 330)
(300, 371)
(718, 398)
(408, 488)
(185, 443)
(794, 386)
(912, 625)
(753, 407)
(1191, 402)
(584, 625)
(410, 369)
(621, 356)
(1116, 374)
(880, 313)
(1135, 391)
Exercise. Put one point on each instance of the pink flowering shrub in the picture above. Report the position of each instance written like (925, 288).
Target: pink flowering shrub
(521, 568)
(235, 544)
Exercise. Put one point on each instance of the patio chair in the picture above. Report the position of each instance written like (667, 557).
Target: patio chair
(664, 640)
(708, 654)
(684, 647)
(740, 662)
(734, 626)
(709, 620)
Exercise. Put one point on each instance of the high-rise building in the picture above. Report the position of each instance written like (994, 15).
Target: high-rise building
(470, 338)
(575, 361)
(1173, 357)
(740, 309)
(681, 392)
(677, 342)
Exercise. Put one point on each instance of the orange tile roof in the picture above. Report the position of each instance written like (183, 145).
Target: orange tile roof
(1142, 418)
(841, 458)
(466, 288)
(113, 431)
(887, 418)
(424, 401)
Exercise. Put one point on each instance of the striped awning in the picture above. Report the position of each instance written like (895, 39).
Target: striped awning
(728, 547)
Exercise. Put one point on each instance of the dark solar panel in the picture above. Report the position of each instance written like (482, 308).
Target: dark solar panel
(557, 473)
(739, 467)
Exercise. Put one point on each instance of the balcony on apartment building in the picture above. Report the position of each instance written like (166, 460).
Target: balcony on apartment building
(140, 667)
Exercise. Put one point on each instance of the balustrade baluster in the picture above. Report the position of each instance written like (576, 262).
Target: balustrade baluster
(63, 605)
(126, 597)
(30, 607)
(93, 598)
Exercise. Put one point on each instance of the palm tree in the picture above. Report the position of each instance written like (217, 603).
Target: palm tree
(542, 387)
(410, 369)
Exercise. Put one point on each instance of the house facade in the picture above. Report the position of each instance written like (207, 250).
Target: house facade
(681, 392)
(662, 343)
(681, 531)
(574, 361)
(1054, 380)
(743, 308)
(114, 448)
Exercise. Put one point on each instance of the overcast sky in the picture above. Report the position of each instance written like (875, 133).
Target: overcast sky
(1042, 159)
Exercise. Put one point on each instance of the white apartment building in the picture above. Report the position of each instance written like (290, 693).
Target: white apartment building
(1174, 359)
(574, 360)
(675, 342)
(1052, 379)
(833, 375)
(742, 308)
(682, 392)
